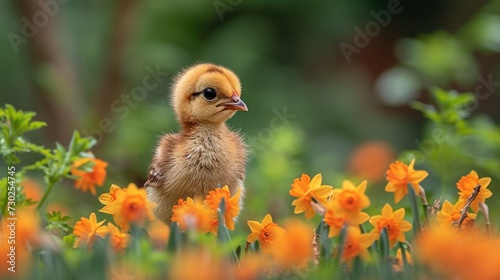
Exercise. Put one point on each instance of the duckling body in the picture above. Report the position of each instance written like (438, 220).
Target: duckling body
(205, 153)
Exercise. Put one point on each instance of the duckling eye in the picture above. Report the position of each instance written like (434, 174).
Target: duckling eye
(209, 94)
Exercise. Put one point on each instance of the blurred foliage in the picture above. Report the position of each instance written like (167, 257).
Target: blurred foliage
(286, 54)
(453, 144)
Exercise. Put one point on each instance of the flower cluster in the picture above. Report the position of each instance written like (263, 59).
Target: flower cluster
(128, 206)
(342, 209)
(195, 214)
(447, 241)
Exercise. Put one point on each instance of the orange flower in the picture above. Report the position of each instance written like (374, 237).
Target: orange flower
(108, 198)
(335, 220)
(119, 240)
(130, 206)
(31, 189)
(87, 180)
(87, 230)
(453, 254)
(400, 175)
(214, 198)
(450, 214)
(197, 264)
(350, 200)
(159, 233)
(194, 215)
(295, 248)
(466, 185)
(394, 223)
(369, 160)
(23, 235)
(398, 265)
(356, 244)
(305, 190)
(266, 232)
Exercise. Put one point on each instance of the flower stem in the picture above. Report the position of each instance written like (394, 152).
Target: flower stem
(44, 197)
(51, 178)
(412, 197)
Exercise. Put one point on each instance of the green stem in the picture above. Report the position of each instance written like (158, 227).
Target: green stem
(44, 197)
(52, 180)
(412, 197)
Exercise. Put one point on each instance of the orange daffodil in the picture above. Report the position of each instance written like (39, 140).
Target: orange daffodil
(128, 206)
(266, 232)
(399, 263)
(334, 220)
(466, 185)
(393, 221)
(87, 230)
(450, 214)
(202, 215)
(350, 200)
(356, 244)
(87, 180)
(306, 191)
(400, 175)
(119, 239)
(232, 204)
(194, 215)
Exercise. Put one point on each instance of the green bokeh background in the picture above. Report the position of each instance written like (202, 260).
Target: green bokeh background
(92, 54)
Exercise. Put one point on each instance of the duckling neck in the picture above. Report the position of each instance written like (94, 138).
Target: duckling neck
(206, 129)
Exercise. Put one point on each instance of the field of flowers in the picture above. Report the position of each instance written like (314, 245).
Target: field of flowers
(413, 237)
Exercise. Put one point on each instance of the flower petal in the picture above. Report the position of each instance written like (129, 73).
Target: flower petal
(387, 211)
(348, 185)
(399, 214)
(399, 194)
(484, 182)
(267, 220)
(315, 182)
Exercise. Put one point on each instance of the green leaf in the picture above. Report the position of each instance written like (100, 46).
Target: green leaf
(55, 220)
(340, 245)
(174, 240)
(69, 240)
(406, 265)
(412, 197)
(325, 243)
(223, 236)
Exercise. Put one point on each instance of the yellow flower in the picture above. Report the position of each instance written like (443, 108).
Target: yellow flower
(130, 206)
(108, 198)
(356, 244)
(266, 232)
(450, 214)
(394, 223)
(194, 215)
(295, 248)
(119, 239)
(466, 185)
(88, 180)
(214, 198)
(400, 175)
(87, 230)
(334, 220)
(350, 200)
(398, 265)
(305, 190)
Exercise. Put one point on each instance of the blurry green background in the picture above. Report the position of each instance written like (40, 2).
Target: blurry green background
(79, 64)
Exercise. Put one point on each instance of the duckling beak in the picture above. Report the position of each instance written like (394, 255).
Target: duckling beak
(236, 104)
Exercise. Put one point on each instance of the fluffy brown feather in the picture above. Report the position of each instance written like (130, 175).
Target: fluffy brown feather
(205, 153)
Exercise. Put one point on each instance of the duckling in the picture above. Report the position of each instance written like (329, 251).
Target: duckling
(205, 153)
